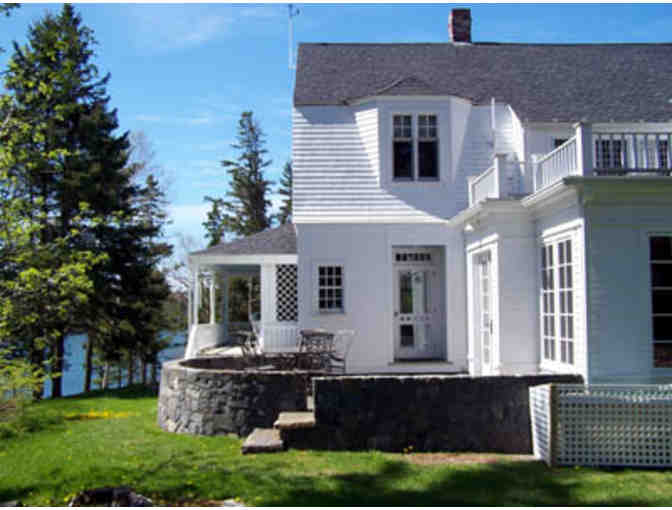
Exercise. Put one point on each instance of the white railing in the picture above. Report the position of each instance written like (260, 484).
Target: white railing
(618, 153)
(602, 425)
(557, 164)
(482, 186)
(605, 153)
(493, 183)
(279, 337)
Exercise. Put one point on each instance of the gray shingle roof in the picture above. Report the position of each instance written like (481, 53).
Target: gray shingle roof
(275, 241)
(542, 82)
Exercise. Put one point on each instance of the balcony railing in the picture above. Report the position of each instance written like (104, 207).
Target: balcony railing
(495, 182)
(556, 164)
(601, 153)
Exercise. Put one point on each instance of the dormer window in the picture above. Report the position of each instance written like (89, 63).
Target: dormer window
(415, 147)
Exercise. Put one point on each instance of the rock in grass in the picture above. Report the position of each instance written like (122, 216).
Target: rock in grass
(110, 496)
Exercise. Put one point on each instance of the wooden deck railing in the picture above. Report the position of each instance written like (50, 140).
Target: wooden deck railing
(605, 153)
(493, 183)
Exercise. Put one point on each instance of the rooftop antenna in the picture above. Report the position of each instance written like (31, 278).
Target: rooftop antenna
(293, 13)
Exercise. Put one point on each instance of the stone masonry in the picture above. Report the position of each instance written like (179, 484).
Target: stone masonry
(428, 413)
(210, 401)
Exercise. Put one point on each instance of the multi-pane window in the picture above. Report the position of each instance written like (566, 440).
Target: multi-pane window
(610, 154)
(657, 154)
(557, 302)
(663, 154)
(403, 147)
(330, 289)
(566, 301)
(415, 136)
(547, 302)
(428, 147)
(660, 250)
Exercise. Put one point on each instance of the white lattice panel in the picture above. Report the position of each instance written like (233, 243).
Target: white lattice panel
(611, 425)
(540, 418)
(286, 293)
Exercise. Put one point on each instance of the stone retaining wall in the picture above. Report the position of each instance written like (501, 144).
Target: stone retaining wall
(208, 401)
(429, 413)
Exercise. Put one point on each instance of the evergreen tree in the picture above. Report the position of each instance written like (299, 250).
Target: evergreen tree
(68, 164)
(246, 210)
(286, 181)
(215, 224)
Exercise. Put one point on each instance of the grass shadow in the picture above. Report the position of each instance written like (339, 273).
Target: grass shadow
(397, 484)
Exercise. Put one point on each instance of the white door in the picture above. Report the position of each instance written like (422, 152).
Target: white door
(415, 313)
(485, 324)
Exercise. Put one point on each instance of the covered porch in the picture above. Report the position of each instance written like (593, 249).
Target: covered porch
(270, 257)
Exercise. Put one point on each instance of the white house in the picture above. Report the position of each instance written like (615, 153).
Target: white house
(481, 207)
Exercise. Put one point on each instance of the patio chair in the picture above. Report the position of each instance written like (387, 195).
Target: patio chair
(342, 342)
(247, 342)
(316, 346)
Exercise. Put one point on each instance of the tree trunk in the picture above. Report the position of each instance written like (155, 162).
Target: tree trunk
(57, 367)
(143, 377)
(155, 373)
(36, 360)
(130, 369)
(106, 375)
(88, 363)
(120, 376)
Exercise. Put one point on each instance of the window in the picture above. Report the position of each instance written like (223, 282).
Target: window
(557, 142)
(428, 147)
(410, 138)
(557, 302)
(660, 253)
(330, 289)
(663, 154)
(656, 155)
(610, 153)
(403, 147)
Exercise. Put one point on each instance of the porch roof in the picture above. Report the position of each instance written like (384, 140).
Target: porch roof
(279, 242)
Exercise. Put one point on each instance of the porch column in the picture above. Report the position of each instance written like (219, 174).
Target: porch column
(224, 289)
(268, 291)
(190, 305)
(212, 299)
(584, 148)
(197, 294)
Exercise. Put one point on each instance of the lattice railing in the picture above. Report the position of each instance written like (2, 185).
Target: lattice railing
(602, 425)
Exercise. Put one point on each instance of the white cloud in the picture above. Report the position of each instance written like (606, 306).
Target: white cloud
(199, 119)
(166, 27)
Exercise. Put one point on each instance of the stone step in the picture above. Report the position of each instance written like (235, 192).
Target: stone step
(263, 441)
(296, 420)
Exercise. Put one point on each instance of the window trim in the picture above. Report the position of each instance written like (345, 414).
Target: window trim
(415, 144)
(316, 287)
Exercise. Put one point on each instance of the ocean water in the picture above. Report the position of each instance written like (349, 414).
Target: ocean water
(75, 355)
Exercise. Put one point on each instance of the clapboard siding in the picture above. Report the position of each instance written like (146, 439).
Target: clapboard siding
(336, 173)
(367, 124)
(342, 160)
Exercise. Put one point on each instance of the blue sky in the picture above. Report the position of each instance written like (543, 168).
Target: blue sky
(183, 73)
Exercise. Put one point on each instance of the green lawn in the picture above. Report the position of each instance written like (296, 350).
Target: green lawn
(125, 447)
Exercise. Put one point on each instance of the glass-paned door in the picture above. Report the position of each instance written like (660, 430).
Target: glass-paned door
(485, 320)
(414, 314)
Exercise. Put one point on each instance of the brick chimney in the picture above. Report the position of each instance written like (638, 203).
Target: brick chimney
(459, 25)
